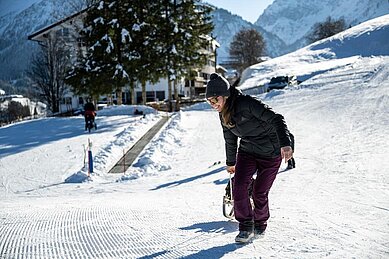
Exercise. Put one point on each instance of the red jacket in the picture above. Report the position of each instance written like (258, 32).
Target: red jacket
(90, 113)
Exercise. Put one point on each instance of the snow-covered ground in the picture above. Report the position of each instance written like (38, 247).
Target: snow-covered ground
(335, 204)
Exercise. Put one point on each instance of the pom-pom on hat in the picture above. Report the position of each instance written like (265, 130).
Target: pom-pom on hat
(217, 86)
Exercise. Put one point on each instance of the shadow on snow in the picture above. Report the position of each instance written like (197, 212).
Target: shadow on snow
(26, 135)
(222, 227)
(214, 252)
(187, 180)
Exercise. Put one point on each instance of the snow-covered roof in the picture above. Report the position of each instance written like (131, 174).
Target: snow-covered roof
(37, 35)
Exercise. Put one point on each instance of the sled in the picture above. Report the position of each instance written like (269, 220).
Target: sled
(90, 124)
(228, 201)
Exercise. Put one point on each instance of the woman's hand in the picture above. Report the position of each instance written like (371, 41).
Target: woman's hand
(231, 169)
(286, 153)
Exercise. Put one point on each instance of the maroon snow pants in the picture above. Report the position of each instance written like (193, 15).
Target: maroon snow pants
(266, 169)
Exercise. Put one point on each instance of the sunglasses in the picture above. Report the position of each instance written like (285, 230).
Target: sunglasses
(213, 100)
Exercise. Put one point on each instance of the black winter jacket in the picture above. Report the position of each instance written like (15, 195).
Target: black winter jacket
(262, 132)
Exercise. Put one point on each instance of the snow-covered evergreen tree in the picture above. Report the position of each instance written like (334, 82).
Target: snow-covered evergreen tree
(100, 70)
(187, 23)
(140, 40)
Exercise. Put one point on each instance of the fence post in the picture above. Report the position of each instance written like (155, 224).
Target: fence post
(90, 158)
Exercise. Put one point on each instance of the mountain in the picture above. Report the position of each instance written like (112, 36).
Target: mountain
(292, 20)
(227, 25)
(15, 25)
(18, 19)
(284, 24)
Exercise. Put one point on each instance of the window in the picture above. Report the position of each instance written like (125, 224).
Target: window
(66, 100)
(64, 32)
(160, 95)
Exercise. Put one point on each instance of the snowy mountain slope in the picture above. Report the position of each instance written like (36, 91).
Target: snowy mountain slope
(345, 48)
(20, 19)
(227, 25)
(17, 23)
(14, 6)
(168, 205)
(292, 20)
(283, 24)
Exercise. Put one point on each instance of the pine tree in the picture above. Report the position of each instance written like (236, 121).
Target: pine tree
(144, 55)
(192, 26)
(185, 28)
(101, 68)
(141, 40)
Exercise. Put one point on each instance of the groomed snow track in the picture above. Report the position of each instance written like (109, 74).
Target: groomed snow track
(88, 232)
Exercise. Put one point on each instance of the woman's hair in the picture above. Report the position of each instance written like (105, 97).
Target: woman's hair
(229, 108)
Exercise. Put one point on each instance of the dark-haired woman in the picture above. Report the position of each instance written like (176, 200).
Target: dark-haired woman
(264, 142)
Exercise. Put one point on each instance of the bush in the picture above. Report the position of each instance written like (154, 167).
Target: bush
(15, 111)
(326, 29)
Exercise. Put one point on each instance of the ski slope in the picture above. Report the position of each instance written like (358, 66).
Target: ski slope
(334, 204)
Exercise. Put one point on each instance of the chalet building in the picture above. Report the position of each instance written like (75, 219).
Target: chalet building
(68, 31)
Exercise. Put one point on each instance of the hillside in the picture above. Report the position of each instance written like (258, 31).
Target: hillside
(284, 24)
(18, 19)
(345, 48)
(292, 20)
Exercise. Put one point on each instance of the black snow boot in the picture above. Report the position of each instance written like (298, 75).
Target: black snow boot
(244, 236)
(259, 231)
(246, 232)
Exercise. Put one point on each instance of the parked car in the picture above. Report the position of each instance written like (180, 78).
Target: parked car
(280, 82)
(79, 111)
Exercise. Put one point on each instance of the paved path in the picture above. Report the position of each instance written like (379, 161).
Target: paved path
(126, 161)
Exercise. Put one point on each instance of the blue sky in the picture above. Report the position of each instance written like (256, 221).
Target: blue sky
(250, 10)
